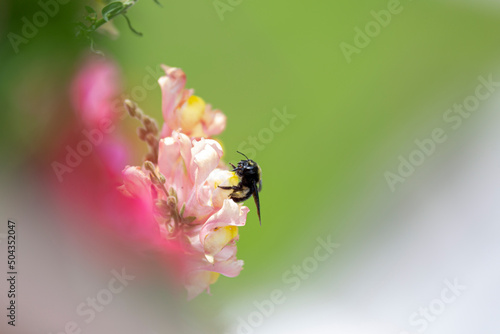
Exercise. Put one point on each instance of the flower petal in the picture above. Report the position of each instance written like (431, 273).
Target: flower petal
(229, 268)
(230, 214)
(214, 121)
(205, 159)
(199, 281)
(136, 182)
(172, 86)
(219, 238)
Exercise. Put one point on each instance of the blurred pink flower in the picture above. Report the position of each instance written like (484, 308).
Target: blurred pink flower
(191, 208)
(185, 111)
(94, 91)
(95, 98)
(118, 227)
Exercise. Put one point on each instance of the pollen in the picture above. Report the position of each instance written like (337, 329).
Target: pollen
(234, 180)
(233, 231)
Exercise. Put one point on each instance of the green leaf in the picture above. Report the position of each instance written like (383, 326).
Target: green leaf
(111, 10)
(182, 210)
(90, 10)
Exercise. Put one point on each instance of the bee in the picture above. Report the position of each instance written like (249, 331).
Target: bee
(250, 182)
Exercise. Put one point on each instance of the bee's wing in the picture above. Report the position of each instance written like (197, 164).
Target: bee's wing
(256, 199)
(260, 185)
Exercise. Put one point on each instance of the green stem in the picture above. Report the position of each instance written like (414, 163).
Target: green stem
(130, 25)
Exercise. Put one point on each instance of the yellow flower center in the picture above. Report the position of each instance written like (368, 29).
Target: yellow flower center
(191, 115)
(219, 238)
(233, 180)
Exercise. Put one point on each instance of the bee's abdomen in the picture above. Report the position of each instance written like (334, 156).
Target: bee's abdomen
(241, 195)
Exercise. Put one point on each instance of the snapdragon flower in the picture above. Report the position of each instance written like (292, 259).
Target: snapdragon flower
(181, 179)
(183, 110)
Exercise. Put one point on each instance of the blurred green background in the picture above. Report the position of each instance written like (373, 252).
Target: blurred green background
(351, 121)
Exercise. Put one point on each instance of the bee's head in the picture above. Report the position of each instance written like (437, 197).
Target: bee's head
(247, 166)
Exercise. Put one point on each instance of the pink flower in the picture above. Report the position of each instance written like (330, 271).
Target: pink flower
(191, 208)
(94, 95)
(94, 91)
(185, 111)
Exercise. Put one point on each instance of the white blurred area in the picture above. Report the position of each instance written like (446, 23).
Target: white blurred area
(442, 224)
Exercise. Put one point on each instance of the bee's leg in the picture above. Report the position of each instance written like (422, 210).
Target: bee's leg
(230, 187)
(257, 202)
(239, 193)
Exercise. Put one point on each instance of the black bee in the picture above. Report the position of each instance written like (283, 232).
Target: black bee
(250, 182)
